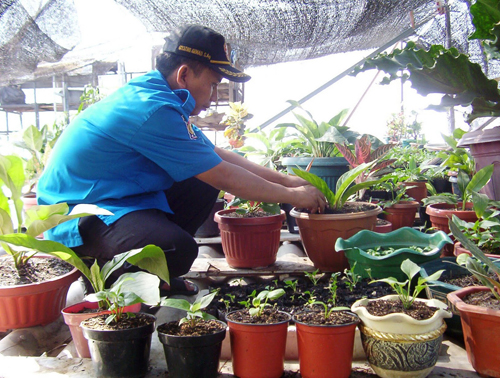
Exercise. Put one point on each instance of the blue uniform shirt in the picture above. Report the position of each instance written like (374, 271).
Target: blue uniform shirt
(123, 152)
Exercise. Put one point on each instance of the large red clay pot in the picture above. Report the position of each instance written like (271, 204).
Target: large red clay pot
(73, 316)
(459, 249)
(440, 215)
(319, 232)
(481, 327)
(250, 242)
(325, 351)
(401, 214)
(34, 304)
(258, 350)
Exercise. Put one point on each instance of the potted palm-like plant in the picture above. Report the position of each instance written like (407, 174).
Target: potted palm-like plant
(342, 218)
(192, 345)
(401, 209)
(250, 232)
(319, 140)
(258, 337)
(402, 334)
(479, 308)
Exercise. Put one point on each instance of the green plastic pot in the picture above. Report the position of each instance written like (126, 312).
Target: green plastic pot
(390, 265)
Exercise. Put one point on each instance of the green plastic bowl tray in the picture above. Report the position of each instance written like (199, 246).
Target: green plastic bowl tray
(401, 239)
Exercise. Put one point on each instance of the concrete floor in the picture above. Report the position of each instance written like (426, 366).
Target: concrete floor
(48, 351)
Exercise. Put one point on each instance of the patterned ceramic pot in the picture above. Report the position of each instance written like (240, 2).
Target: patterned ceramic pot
(397, 345)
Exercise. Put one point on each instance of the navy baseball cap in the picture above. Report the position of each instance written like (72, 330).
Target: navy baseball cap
(205, 45)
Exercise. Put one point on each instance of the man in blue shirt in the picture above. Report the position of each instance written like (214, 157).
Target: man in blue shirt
(136, 154)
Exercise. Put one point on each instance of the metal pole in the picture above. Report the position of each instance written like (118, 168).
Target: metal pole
(405, 34)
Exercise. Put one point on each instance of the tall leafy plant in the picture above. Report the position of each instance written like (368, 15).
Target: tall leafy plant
(344, 188)
(320, 138)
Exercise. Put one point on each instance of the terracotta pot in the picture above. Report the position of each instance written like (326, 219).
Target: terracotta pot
(397, 345)
(419, 191)
(481, 327)
(401, 214)
(440, 215)
(73, 317)
(34, 304)
(383, 228)
(325, 351)
(459, 249)
(258, 350)
(250, 242)
(319, 232)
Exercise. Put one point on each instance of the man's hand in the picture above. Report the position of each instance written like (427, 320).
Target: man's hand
(310, 198)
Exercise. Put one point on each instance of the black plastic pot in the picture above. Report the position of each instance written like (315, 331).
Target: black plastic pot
(121, 353)
(195, 356)
(210, 228)
(442, 185)
(290, 221)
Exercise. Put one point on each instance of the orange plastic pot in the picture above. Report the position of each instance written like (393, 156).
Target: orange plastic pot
(481, 327)
(34, 304)
(401, 214)
(440, 215)
(325, 351)
(250, 242)
(73, 316)
(319, 232)
(258, 350)
(419, 190)
(459, 249)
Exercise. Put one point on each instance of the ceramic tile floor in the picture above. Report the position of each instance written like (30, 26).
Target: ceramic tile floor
(48, 351)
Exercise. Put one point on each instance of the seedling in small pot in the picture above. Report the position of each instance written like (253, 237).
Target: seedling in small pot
(351, 278)
(403, 289)
(327, 312)
(259, 303)
(193, 310)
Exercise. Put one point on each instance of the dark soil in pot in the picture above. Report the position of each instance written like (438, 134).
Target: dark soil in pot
(418, 310)
(268, 316)
(483, 299)
(35, 270)
(348, 208)
(126, 322)
(186, 329)
(318, 318)
(296, 299)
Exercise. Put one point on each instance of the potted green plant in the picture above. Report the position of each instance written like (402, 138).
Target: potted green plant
(484, 232)
(479, 308)
(120, 342)
(192, 345)
(401, 209)
(384, 253)
(363, 153)
(319, 232)
(258, 337)
(319, 145)
(397, 344)
(250, 232)
(325, 341)
(441, 208)
(24, 301)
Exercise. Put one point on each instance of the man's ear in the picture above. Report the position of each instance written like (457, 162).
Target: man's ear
(182, 76)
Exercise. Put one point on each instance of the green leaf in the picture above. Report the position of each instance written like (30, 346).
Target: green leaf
(480, 179)
(152, 259)
(144, 285)
(207, 299)
(481, 203)
(275, 294)
(409, 268)
(33, 139)
(180, 304)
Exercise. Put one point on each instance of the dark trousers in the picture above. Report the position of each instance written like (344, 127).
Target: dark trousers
(191, 201)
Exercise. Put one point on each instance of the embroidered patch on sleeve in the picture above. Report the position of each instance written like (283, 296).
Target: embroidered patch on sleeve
(189, 127)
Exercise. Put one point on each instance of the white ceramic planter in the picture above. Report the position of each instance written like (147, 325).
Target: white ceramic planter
(397, 345)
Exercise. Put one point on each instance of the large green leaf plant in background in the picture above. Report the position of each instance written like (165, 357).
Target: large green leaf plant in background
(446, 71)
